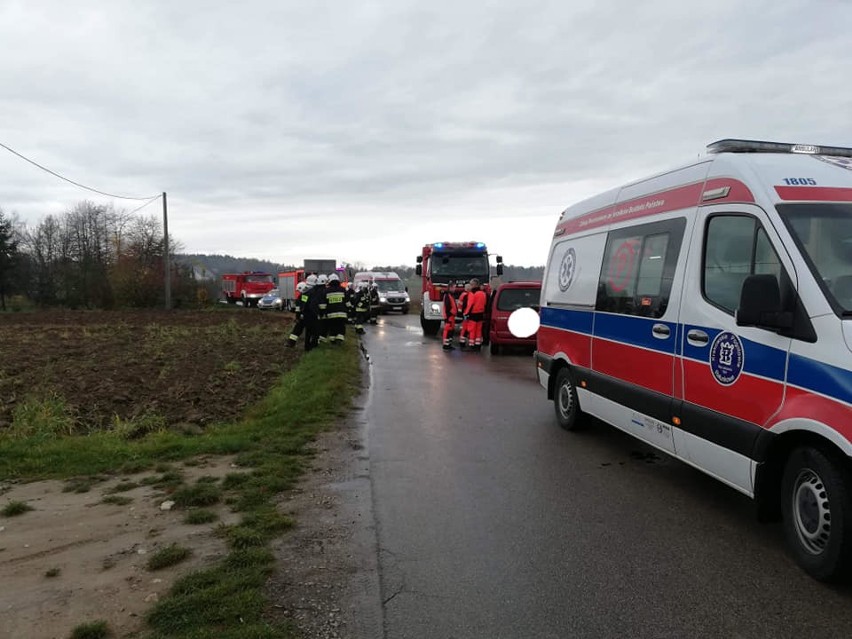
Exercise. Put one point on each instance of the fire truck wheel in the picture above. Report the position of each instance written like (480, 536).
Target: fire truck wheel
(565, 401)
(430, 327)
(817, 513)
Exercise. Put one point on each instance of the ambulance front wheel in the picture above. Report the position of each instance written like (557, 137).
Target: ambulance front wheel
(565, 401)
(818, 513)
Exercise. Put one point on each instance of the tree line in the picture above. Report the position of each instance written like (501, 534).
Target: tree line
(90, 256)
(94, 256)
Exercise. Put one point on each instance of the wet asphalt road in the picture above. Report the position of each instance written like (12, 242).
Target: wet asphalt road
(493, 522)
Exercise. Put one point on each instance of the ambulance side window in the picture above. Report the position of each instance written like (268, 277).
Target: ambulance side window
(638, 268)
(735, 247)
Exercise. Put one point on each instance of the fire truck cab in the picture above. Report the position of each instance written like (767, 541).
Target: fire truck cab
(450, 263)
(247, 287)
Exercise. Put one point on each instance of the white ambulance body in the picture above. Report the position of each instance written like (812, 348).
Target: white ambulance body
(708, 312)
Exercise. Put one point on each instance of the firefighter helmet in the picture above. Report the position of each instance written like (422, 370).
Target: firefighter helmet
(322, 278)
(334, 277)
(311, 280)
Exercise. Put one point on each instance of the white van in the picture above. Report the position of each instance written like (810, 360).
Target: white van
(393, 293)
(708, 312)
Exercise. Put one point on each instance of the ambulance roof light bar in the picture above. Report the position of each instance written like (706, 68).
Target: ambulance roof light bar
(760, 146)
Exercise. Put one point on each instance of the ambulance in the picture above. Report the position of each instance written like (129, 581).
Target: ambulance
(708, 312)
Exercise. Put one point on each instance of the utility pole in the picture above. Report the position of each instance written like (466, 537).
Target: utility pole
(166, 265)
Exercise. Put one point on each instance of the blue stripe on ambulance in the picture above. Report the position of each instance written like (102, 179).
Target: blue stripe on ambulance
(761, 360)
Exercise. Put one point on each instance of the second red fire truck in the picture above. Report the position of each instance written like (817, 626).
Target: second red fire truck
(247, 287)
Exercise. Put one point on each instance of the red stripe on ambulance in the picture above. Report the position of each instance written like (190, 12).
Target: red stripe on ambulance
(577, 346)
(799, 402)
(751, 399)
(646, 368)
(814, 193)
(682, 197)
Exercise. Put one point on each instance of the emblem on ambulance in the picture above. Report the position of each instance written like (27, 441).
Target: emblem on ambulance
(567, 269)
(726, 358)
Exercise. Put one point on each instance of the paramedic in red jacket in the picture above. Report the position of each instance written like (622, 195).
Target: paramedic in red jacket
(464, 333)
(451, 309)
(475, 312)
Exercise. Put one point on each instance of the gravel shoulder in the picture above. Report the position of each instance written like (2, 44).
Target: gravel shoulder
(327, 577)
(98, 551)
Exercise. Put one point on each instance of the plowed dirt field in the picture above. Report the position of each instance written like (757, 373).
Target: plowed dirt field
(190, 368)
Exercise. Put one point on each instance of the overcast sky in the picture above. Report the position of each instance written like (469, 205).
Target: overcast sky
(360, 130)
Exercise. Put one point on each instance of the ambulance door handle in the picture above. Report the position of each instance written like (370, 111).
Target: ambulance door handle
(697, 338)
(661, 331)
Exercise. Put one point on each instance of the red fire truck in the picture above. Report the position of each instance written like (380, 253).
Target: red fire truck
(247, 287)
(450, 263)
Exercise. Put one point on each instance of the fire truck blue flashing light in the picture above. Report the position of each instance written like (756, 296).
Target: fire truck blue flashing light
(480, 245)
(438, 245)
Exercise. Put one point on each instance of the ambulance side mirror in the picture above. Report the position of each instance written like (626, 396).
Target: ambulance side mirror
(418, 269)
(760, 304)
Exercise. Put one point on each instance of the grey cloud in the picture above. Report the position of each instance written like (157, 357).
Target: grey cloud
(296, 106)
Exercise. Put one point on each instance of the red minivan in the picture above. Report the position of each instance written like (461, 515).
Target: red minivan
(508, 298)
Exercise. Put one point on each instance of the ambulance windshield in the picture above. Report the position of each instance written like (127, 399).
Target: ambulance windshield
(824, 233)
(463, 267)
(390, 286)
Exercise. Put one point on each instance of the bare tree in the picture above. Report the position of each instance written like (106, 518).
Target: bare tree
(9, 256)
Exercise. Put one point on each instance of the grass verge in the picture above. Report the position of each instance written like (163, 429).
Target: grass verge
(226, 600)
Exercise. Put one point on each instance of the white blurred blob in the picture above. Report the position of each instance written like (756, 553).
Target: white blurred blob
(523, 322)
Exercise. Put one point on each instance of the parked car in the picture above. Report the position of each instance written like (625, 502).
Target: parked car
(508, 298)
(272, 300)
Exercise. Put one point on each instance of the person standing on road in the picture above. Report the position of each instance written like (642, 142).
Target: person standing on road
(299, 326)
(475, 312)
(451, 309)
(375, 303)
(335, 310)
(361, 301)
(350, 303)
(464, 334)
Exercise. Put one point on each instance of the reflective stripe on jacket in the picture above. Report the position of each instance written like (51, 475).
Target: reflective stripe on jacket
(335, 301)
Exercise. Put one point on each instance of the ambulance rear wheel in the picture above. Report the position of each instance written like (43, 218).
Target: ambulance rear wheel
(565, 401)
(817, 513)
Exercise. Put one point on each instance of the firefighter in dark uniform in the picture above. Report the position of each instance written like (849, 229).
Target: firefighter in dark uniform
(311, 312)
(299, 326)
(451, 309)
(335, 310)
(361, 302)
(350, 303)
(322, 280)
(375, 304)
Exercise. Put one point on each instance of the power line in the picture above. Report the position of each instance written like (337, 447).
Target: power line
(82, 186)
(139, 208)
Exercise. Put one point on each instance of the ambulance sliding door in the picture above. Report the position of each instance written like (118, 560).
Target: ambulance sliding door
(636, 329)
